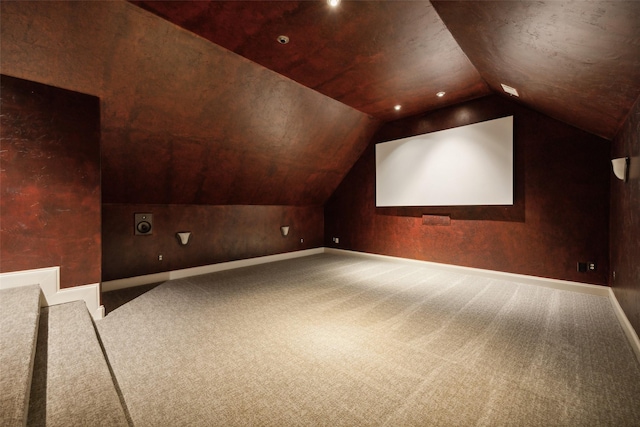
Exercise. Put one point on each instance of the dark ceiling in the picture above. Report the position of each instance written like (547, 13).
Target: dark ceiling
(577, 61)
(188, 121)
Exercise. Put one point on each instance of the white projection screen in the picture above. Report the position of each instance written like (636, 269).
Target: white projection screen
(463, 166)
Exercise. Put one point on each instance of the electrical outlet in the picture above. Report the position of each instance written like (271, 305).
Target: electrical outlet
(336, 240)
(301, 240)
(159, 257)
(592, 266)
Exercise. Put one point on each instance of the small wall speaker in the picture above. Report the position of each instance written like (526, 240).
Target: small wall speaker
(143, 224)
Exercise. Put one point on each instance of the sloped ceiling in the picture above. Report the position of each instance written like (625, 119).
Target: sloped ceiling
(183, 120)
(370, 55)
(201, 105)
(577, 61)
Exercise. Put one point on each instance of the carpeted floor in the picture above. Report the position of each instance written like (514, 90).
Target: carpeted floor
(114, 299)
(340, 340)
(20, 313)
(72, 385)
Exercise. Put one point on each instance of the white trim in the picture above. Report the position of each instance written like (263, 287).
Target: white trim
(49, 281)
(627, 327)
(130, 282)
(565, 285)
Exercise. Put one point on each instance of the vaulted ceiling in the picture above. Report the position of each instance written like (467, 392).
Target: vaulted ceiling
(577, 61)
(200, 104)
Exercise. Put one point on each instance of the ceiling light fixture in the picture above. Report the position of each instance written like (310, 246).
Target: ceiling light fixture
(510, 90)
(283, 39)
(397, 107)
(333, 3)
(440, 94)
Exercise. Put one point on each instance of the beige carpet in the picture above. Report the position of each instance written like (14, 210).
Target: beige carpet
(72, 385)
(19, 312)
(340, 340)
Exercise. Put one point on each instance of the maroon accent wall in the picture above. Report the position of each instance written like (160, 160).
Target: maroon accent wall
(560, 215)
(49, 181)
(219, 234)
(185, 121)
(625, 220)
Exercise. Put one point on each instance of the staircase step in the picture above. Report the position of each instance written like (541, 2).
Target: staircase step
(19, 311)
(72, 384)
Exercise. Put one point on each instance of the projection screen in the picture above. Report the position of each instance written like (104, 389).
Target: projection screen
(463, 166)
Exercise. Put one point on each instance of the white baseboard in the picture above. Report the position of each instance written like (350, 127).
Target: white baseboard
(114, 285)
(565, 285)
(49, 281)
(631, 334)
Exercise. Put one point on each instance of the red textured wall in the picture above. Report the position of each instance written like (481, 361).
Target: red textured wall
(625, 220)
(49, 181)
(184, 121)
(560, 215)
(219, 234)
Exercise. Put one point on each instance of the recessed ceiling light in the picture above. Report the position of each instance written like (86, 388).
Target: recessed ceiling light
(283, 39)
(397, 107)
(440, 94)
(510, 90)
(333, 3)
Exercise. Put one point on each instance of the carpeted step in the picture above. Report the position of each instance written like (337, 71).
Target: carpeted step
(72, 384)
(19, 311)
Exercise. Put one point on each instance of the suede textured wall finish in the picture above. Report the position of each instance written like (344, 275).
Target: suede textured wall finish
(49, 181)
(625, 220)
(560, 215)
(184, 121)
(219, 234)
